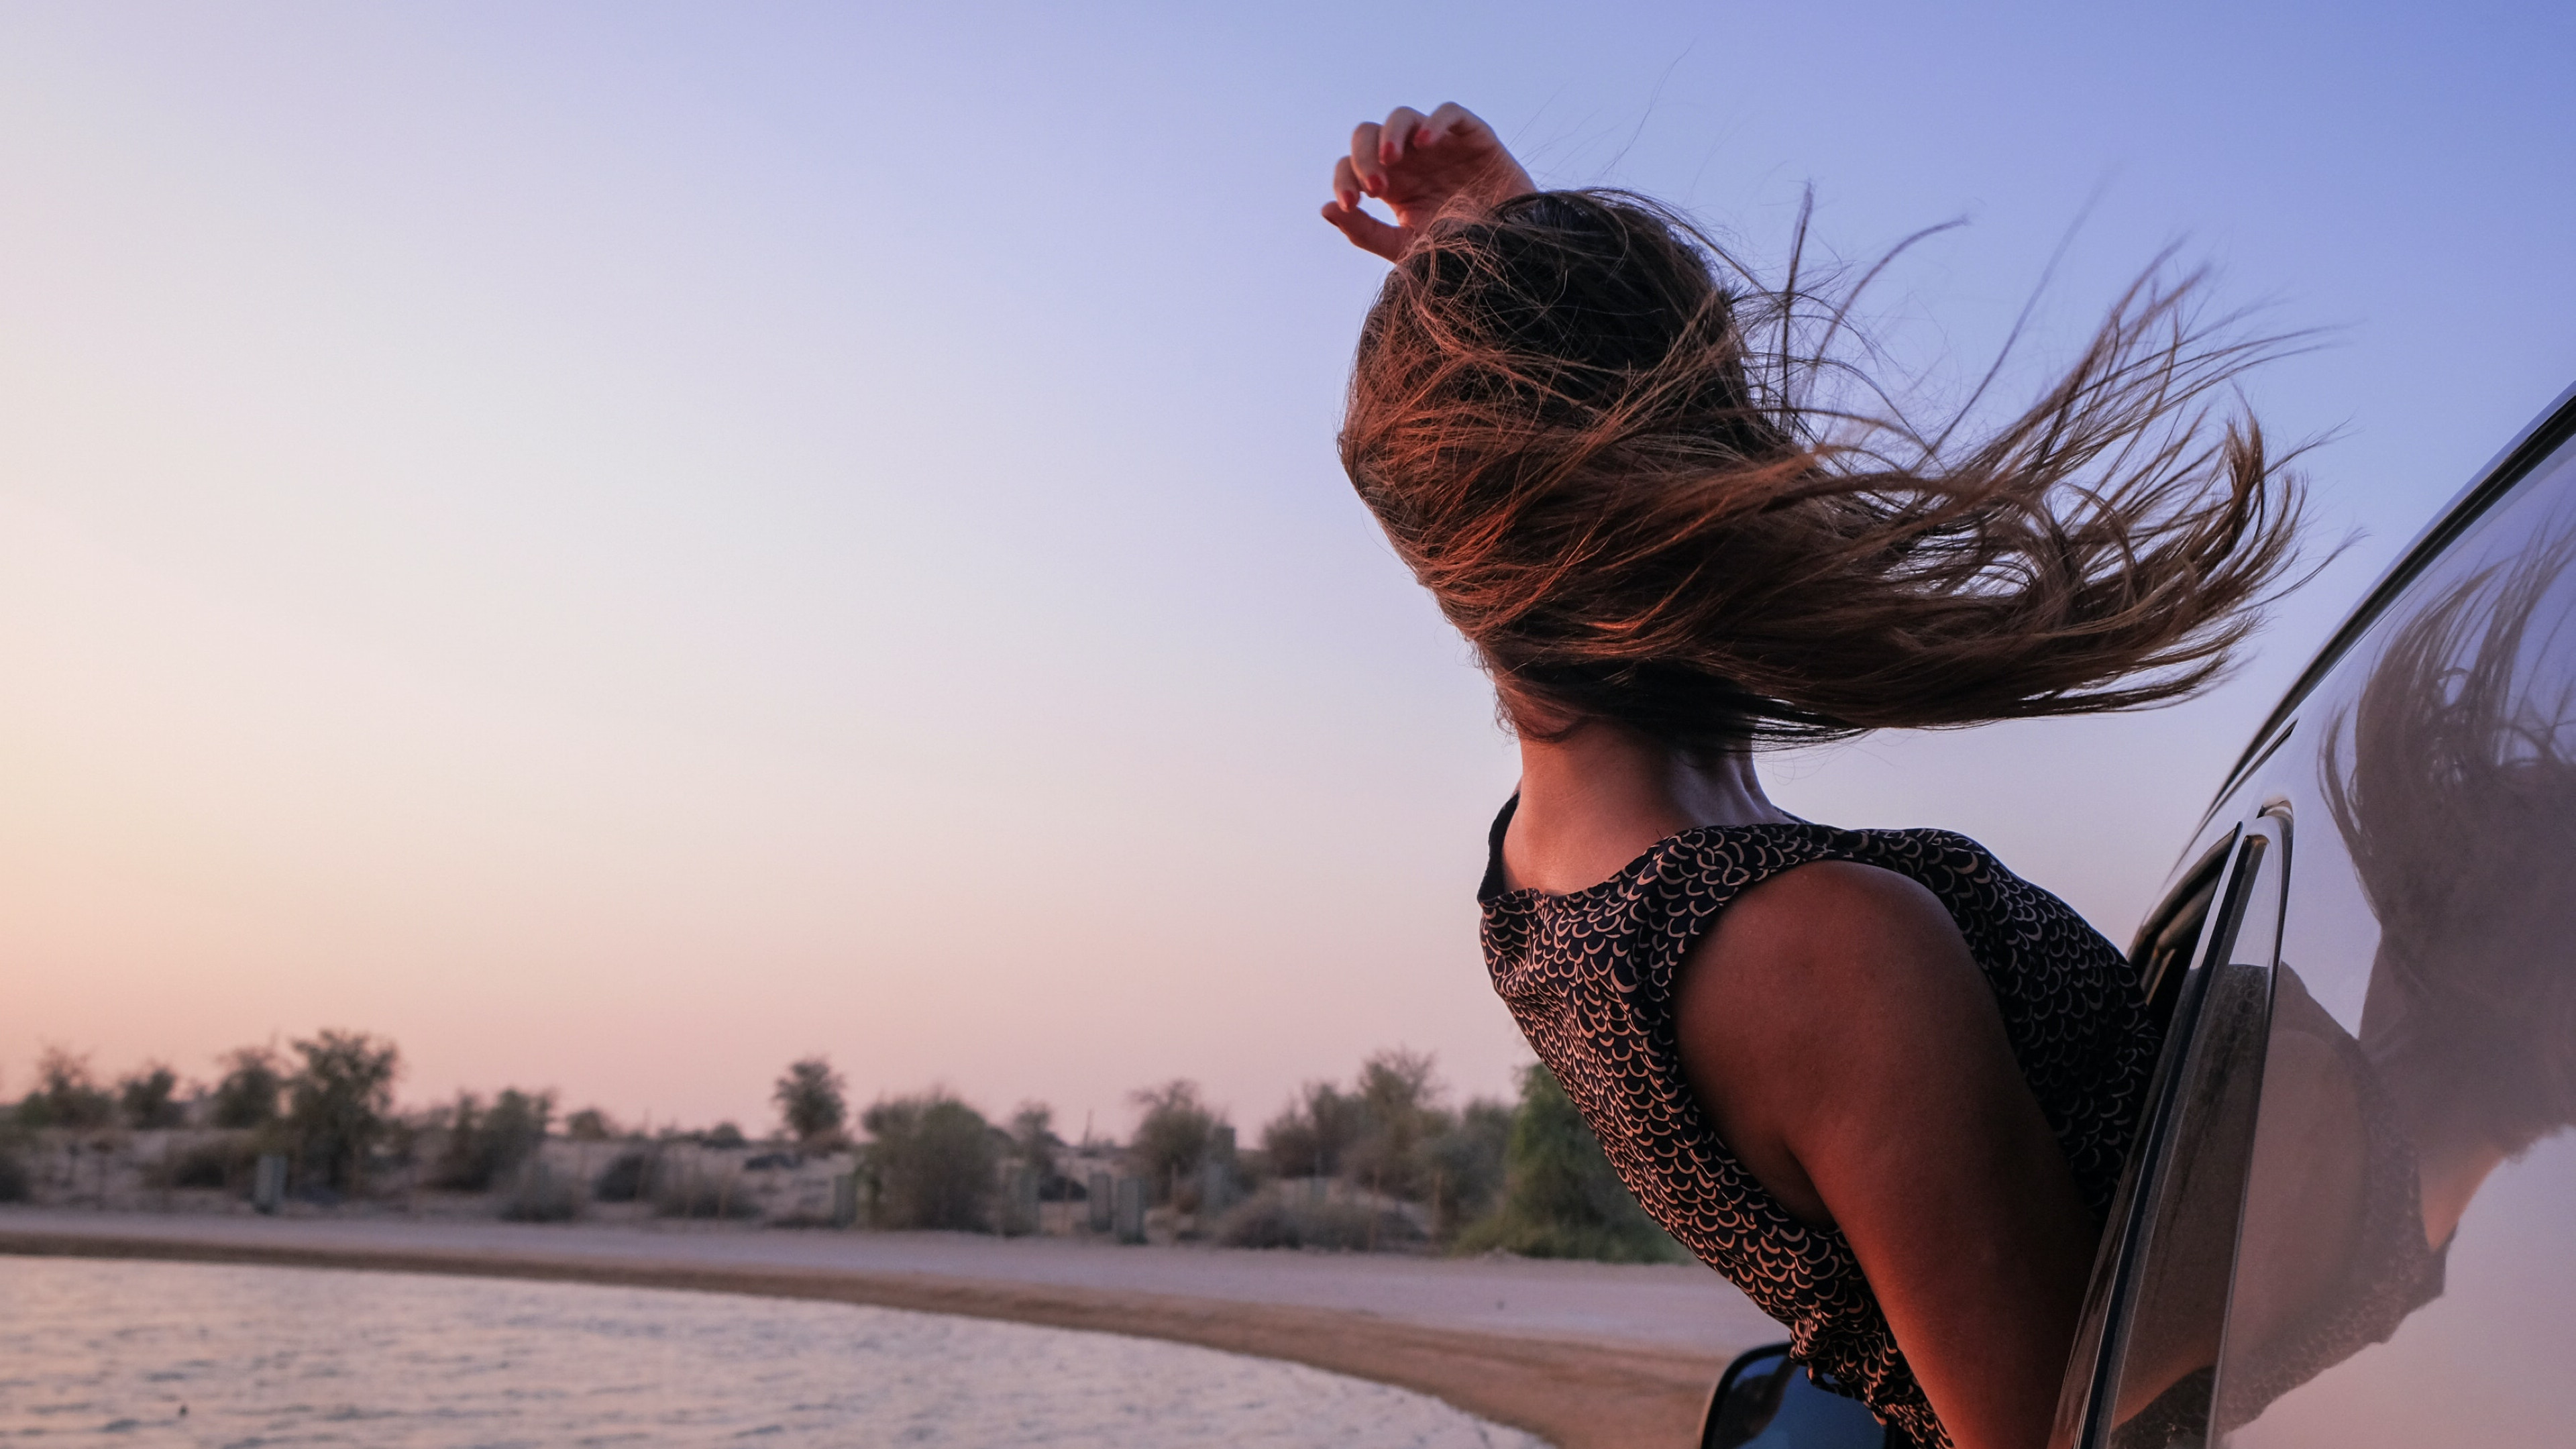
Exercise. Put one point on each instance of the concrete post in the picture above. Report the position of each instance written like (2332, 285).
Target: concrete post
(1101, 1192)
(1019, 1209)
(1216, 1190)
(1130, 1218)
(845, 1200)
(268, 1183)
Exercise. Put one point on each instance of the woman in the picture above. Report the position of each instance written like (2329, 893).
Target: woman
(1871, 1076)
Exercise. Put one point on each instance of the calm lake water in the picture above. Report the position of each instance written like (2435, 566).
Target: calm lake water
(187, 1354)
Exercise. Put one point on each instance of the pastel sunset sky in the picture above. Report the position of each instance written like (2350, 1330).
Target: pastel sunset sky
(621, 544)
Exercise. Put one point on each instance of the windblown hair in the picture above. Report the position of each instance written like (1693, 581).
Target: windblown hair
(1561, 416)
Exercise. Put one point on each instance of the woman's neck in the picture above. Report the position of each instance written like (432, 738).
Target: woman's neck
(1594, 799)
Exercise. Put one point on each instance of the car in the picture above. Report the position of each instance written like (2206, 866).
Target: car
(2350, 1216)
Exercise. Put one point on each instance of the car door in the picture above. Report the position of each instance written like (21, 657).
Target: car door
(2351, 1218)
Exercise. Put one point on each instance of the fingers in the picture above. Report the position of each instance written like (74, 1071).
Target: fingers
(1365, 231)
(1365, 163)
(1346, 184)
(1451, 121)
(1397, 134)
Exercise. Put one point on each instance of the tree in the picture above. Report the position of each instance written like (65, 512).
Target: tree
(590, 1125)
(812, 1101)
(65, 1095)
(1033, 1138)
(1174, 1136)
(1561, 1199)
(248, 1092)
(143, 1097)
(1469, 1155)
(484, 1145)
(1311, 1135)
(934, 1159)
(339, 1101)
(1399, 1112)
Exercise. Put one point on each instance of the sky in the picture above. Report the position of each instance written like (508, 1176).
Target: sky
(620, 545)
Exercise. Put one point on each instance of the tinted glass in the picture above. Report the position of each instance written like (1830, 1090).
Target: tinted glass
(2166, 1339)
(2406, 1273)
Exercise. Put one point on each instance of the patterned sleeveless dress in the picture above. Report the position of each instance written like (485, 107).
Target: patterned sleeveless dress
(1589, 975)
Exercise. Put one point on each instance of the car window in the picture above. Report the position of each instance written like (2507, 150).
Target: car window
(2406, 1269)
(2159, 1287)
(2156, 1389)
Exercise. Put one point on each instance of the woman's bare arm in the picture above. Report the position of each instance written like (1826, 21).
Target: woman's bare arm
(1848, 1050)
(1420, 166)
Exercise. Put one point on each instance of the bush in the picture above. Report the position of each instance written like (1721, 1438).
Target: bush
(218, 1164)
(1467, 1157)
(1034, 1142)
(625, 1178)
(1560, 1197)
(589, 1125)
(484, 1146)
(934, 1159)
(1313, 1134)
(339, 1102)
(1398, 1114)
(252, 1083)
(538, 1195)
(65, 1096)
(143, 1098)
(725, 1135)
(1286, 1215)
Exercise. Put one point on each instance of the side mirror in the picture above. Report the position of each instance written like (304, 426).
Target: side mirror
(1766, 1401)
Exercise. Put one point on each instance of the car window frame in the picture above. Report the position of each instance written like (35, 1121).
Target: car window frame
(2112, 1297)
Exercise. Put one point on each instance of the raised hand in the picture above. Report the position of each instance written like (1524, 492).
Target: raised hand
(1421, 167)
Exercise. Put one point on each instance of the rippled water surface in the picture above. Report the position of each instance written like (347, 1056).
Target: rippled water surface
(187, 1354)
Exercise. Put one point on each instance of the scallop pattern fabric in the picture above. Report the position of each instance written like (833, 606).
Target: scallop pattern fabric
(1589, 976)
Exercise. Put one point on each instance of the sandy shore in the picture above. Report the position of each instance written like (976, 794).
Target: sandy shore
(1582, 1354)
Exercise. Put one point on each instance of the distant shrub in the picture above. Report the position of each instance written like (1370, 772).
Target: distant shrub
(248, 1092)
(725, 1135)
(1314, 1132)
(65, 1096)
(1286, 1215)
(1034, 1142)
(1467, 1157)
(1560, 1197)
(339, 1104)
(218, 1164)
(538, 1195)
(144, 1098)
(589, 1125)
(934, 1159)
(624, 1179)
(486, 1144)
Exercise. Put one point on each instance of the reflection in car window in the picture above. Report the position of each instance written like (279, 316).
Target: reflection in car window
(2407, 1266)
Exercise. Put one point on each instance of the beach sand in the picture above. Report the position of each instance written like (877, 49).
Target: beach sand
(1585, 1355)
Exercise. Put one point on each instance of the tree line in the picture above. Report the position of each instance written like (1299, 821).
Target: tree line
(1381, 1159)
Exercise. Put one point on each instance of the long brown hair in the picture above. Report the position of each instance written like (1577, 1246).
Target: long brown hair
(1636, 512)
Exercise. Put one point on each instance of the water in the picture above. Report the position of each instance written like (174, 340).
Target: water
(175, 1354)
